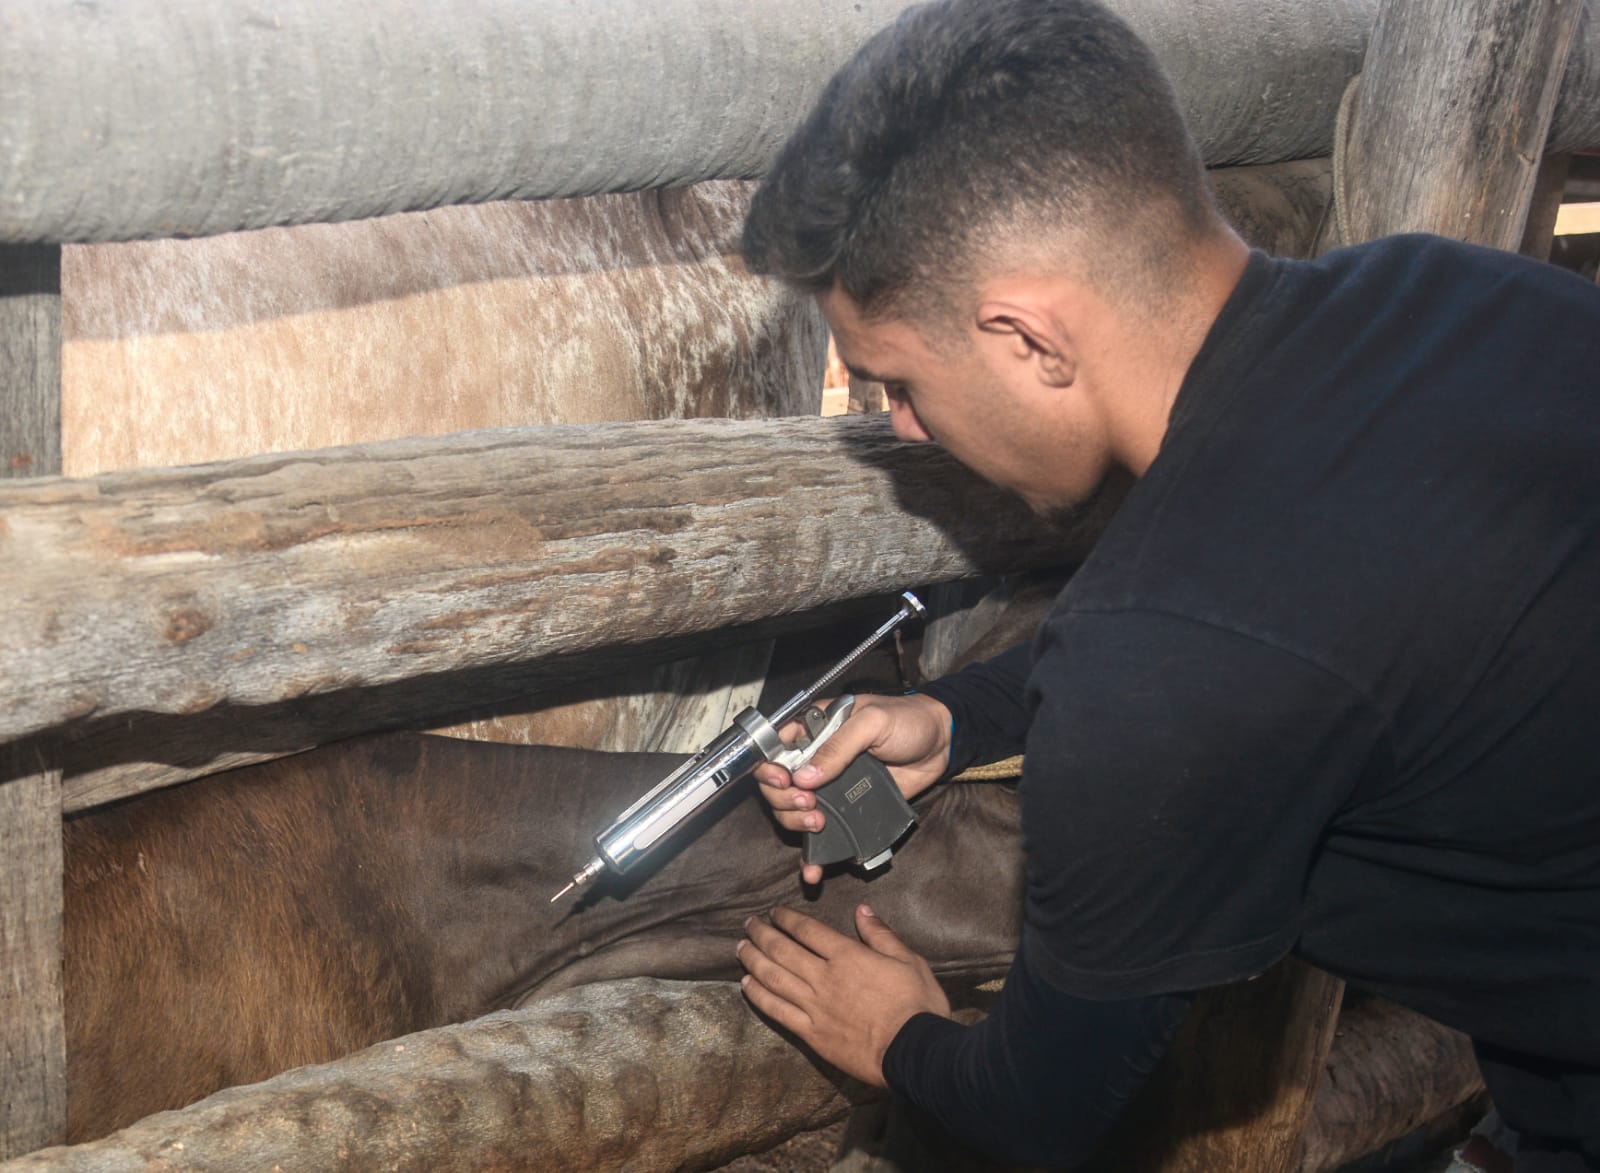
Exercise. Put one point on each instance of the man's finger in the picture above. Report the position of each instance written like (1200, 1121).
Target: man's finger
(783, 982)
(772, 776)
(778, 945)
(787, 798)
(785, 1014)
(816, 937)
(875, 934)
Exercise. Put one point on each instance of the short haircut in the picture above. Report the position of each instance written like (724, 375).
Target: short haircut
(968, 123)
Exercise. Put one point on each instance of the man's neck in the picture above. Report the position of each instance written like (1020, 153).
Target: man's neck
(1152, 352)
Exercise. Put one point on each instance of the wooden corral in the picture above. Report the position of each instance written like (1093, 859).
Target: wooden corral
(218, 608)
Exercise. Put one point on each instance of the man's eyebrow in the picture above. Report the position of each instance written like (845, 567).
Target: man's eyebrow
(864, 375)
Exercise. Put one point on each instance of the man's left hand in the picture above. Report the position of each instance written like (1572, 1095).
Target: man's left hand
(845, 999)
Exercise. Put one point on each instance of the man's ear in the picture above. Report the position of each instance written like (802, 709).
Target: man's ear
(1033, 336)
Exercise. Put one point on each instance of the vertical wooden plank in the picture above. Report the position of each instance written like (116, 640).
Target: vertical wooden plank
(33, 1058)
(30, 360)
(1548, 187)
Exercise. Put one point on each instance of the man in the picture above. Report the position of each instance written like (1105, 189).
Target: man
(1329, 684)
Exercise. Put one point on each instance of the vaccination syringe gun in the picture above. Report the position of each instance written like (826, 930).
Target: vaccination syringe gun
(864, 811)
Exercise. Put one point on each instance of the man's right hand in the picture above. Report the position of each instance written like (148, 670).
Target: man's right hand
(909, 734)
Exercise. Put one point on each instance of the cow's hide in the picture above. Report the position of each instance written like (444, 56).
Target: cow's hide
(290, 912)
(570, 311)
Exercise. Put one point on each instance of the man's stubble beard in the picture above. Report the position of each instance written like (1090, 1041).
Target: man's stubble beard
(1093, 513)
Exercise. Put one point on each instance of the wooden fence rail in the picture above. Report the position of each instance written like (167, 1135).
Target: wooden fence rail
(142, 111)
(472, 564)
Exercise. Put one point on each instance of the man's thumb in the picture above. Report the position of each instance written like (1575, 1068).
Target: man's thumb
(877, 935)
(837, 752)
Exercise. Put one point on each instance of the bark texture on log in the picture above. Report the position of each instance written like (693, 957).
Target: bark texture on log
(1451, 116)
(616, 1075)
(639, 1074)
(472, 563)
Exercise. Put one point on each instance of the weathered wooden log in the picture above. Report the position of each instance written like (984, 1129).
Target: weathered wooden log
(1544, 206)
(648, 1074)
(477, 564)
(30, 360)
(353, 113)
(639, 1074)
(1450, 118)
(359, 114)
(33, 1096)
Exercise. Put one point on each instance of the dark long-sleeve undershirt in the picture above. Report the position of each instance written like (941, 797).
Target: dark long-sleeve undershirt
(1044, 1076)
(1041, 1079)
(989, 719)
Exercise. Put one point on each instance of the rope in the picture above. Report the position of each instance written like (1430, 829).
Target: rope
(994, 772)
(1341, 139)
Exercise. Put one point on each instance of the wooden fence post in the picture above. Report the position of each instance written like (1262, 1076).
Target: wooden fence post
(33, 1058)
(1447, 126)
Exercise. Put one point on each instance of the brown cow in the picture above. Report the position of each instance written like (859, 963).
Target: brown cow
(290, 912)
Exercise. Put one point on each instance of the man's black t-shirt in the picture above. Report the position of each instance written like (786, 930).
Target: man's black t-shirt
(1330, 682)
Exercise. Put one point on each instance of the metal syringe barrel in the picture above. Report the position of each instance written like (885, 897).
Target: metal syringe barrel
(738, 750)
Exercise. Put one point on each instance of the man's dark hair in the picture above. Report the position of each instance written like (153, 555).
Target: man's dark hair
(966, 122)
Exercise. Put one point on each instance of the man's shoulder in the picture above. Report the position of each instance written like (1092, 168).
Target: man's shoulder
(1395, 434)
(1408, 265)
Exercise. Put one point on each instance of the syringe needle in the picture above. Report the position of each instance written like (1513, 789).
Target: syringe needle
(586, 873)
